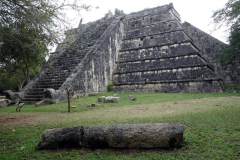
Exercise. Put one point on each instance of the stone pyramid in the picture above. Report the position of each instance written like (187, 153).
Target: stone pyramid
(142, 52)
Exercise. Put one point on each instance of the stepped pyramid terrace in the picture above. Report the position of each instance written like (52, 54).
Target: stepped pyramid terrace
(150, 51)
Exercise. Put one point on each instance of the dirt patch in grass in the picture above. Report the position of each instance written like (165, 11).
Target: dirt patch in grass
(20, 119)
(118, 115)
(140, 108)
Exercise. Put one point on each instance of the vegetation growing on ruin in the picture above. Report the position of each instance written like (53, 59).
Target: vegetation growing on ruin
(211, 125)
(110, 87)
(229, 15)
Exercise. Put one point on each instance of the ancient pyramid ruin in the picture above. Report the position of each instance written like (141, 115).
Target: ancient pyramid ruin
(149, 51)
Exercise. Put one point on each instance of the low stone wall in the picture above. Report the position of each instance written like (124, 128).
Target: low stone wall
(159, 135)
(174, 86)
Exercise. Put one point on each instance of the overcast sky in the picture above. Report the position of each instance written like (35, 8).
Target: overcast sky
(196, 12)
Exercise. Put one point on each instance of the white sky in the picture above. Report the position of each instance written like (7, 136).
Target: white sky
(196, 12)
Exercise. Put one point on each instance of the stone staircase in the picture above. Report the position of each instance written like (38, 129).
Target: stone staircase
(64, 64)
(55, 76)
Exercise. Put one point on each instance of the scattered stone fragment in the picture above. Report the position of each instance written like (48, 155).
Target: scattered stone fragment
(93, 105)
(132, 98)
(108, 99)
(73, 106)
(12, 98)
(111, 99)
(101, 99)
(61, 138)
(114, 95)
(3, 104)
(45, 101)
(88, 105)
(115, 99)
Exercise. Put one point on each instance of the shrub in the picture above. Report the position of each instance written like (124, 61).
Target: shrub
(109, 87)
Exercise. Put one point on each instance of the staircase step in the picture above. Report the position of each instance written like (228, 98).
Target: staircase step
(50, 83)
(34, 96)
(58, 71)
(54, 79)
(47, 86)
(32, 99)
(33, 92)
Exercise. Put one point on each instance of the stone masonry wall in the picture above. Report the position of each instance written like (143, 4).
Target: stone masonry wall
(197, 86)
(209, 47)
(158, 55)
(95, 71)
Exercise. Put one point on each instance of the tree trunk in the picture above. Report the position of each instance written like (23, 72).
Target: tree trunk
(20, 85)
(28, 77)
(26, 74)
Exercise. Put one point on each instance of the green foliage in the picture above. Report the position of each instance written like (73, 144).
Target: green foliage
(229, 15)
(231, 53)
(109, 87)
(11, 82)
(210, 63)
(16, 81)
(47, 16)
(231, 89)
(23, 49)
(27, 28)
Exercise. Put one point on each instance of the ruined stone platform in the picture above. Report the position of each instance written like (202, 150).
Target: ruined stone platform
(150, 51)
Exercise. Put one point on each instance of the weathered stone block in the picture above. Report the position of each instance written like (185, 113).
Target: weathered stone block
(111, 99)
(132, 98)
(108, 99)
(61, 138)
(45, 101)
(11, 97)
(101, 99)
(160, 135)
(3, 104)
(115, 99)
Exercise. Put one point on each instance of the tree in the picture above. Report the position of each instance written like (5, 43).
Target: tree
(23, 49)
(14, 82)
(46, 15)
(229, 15)
(27, 28)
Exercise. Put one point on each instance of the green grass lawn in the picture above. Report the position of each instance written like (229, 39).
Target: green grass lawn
(211, 125)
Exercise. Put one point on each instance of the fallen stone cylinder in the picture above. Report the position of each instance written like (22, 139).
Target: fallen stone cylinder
(61, 138)
(159, 135)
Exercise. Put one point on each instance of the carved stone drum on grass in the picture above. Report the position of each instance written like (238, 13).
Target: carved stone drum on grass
(159, 135)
